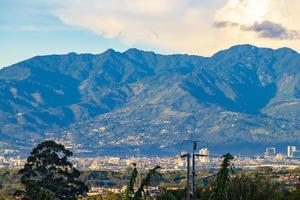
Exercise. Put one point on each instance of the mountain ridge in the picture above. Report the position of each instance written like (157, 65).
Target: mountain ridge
(117, 100)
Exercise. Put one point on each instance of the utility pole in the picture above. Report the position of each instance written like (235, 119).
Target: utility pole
(192, 155)
(194, 173)
(193, 170)
(188, 157)
(188, 176)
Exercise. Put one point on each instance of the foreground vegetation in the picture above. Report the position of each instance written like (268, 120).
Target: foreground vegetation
(48, 175)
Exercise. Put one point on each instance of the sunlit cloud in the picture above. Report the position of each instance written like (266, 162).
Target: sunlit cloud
(175, 25)
(243, 11)
(255, 16)
(187, 26)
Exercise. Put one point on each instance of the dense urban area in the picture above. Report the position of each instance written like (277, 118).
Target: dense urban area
(108, 176)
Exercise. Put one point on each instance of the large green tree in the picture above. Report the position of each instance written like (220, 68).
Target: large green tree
(49, 175)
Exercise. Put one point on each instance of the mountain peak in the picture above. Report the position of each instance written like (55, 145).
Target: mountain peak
(72, 54)
(285, 50)
(243, 47)
(109, 52)
(135, 51)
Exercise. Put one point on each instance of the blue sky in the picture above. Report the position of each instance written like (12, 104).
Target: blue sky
(28, 29)
(36, 27)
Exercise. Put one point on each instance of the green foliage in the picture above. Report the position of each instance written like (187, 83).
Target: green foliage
(49, 175)
(9, 183)
(203, 193)
(130, 188)
(147, 181)
(178, 194)
(254, 187)
(100, 178)
(295, 195)
(166, 195)
(223, 178)
(130, 194)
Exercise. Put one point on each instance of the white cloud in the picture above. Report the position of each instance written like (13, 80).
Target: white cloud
(243, 11)
(176, 25)
(182, 25)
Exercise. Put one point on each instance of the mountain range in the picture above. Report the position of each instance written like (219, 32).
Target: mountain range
(241, 99)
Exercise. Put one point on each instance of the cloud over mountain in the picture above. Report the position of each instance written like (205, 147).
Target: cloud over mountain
(186, 25)
(171, 24)
(268, 29)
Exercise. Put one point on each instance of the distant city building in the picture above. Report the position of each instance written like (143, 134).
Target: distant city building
(290, 151)
(279, 156)
(204, 152)
(270, 152)
(179, 162)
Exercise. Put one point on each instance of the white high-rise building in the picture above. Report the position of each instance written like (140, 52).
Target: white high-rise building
(290, 151)
(205, 153)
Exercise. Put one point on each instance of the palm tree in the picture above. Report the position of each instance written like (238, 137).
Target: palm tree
(223, 178)
(130, 194)
(147, 181)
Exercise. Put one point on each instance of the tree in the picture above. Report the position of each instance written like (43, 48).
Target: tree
(49, 175)
(253, 186)
(223, 178)
(130, 194)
